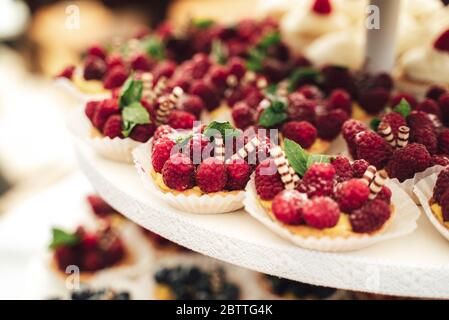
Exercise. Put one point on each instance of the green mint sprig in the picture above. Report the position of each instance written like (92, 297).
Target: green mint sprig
(300, 159)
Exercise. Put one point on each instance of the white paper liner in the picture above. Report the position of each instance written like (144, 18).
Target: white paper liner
(201, 204)
(116, 149)
(403, 222)
(424, 192)
(72, 90)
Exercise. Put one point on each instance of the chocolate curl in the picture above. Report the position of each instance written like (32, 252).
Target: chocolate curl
(167, 104)
(369, 175)
(403, 135)
(158, 89)
(375, 186)
(249, 147)
(385, 132)
(147, 80)
(219, 149)
(283, 167)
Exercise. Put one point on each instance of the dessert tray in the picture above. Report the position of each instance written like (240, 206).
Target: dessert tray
(414, 265)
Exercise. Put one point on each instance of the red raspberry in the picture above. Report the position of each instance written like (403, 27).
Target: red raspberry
(443, 102)
(207, 92)
(165, 68)
(429, 106)
(395, 120)
(115, 77)
(238, 174)
(97, 50)
(163, 131)
(94, 68)
(67, 72)
(419, 119)
(396, 99)
(441, 185)
(329, 124)
(440, 160)
(141, 62)
(89, 110)
(65, 256)
(114, 60)
(100, 207)
(142, 132)
(236, 67)
(371, 217)
(445, 206)
(300, 109)
(373, 148)
(218, 75)
(349, 130)
(442, 42)
(197, 144)
(178, 172)
(113, 127)
(287, 206)
(192, 104)
(426, 137)
(90, 241)
(91, 261)
(115, 252)
(201, 64)
(104, 110)
(335, 77)
(340, 99)
(343, 168)
(311, 92)
(351, 194)
(268, 181)
(318, 180)
(161, 153)
(443, 141)
(359, 167)
(374, 100)
(211, 175)
(302, 132)
(321, 213)
(435, 92)
(253, 96)
(322, 7)
(384, 195)
(242, 115)
(179, 119)
(407, 161)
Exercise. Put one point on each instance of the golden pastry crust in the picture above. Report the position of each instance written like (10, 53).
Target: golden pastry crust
(163, 292)
(438, 213)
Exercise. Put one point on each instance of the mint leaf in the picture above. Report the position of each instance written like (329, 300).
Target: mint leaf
(273, 115)
(63, 238)
(133, 115)
(271, 89)
(182, 140)
(219, 52)
(317, 158)
(403, 108)
(301, 74)
(203, 23)
(297, 156)
(154, 46)
(130, 92)
(374, 124)
(224, 127)
(270, 40)
(254, 62)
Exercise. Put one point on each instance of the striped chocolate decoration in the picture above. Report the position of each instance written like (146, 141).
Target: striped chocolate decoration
(158, 89)
(385, 132)
(283, 167)
(379, 180)
(219, 150)
(369, 175)
(249, 147)
(147, 83)
(167, 104)
(403, 135)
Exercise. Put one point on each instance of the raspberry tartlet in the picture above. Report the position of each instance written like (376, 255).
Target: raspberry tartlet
(324, 203)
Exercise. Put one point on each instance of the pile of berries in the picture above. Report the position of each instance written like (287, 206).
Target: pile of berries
(90, 251)
(192, 283)
(99, 207)
(325, 191)
(441, 192)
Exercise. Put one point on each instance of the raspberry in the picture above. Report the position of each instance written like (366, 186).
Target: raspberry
(161, 153)
(100, 207)
(419, 119)
(218, 75)
(335, 77)
(351, 194)
(322, 7)
(104, 109)
(396, 99)
(302, 132)
(300, 109)
(287, 206)
(342, 168)
(426, 137)
(211, 175)
(429, 106)
(440, 160)
(201, 64)
(89, 110)
(445, 205)
(67, 72)
(408, 161)
(238, 172)
(197, 144)
(329, 124)
(113, 127)
(435, 92)
(141, 62)
(142, 132)
(349, 129)
(236, 67)
(384, 195)
(165, 68)
(321, 213)
(91, 261)
(114, 60)
(242, 115)
(359, 167)
(94, 68)
(178, 172)
(267, 179)
(383, 80)
(442, 42)
(443, 141)
(207, 92)
(179, 119)
(318, 180)
(373, 148)
(311, 92)
(192, 104)
(340, 99)
(65, 256)
(441, 185)
(443, 102)
(115, 77)
(395, 120)
(97, 50)
(371, 217)
(253, 96)
(114, 253)
(374, 100)
(163, 131)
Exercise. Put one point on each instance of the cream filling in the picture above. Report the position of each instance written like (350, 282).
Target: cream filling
(426, 65)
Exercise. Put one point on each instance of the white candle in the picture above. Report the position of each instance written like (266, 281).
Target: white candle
(381, 23)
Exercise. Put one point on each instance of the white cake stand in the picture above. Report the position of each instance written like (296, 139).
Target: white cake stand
(415, 265)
